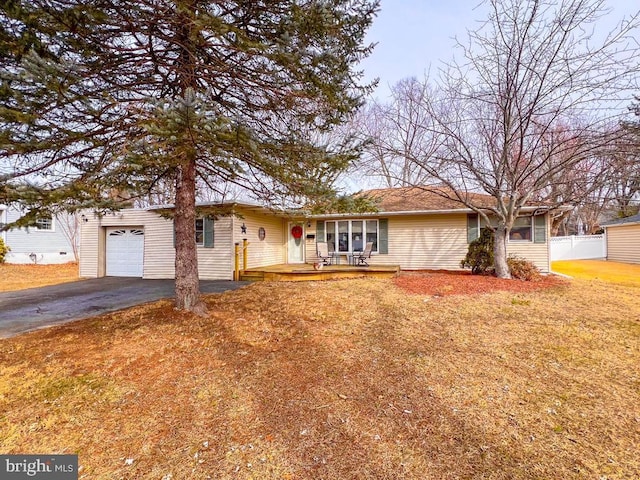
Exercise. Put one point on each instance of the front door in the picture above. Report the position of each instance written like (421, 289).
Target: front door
(295, 245)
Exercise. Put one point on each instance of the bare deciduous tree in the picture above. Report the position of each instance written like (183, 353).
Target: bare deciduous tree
(396, 126)
(533, 98)
(69, 225)
(626, 170)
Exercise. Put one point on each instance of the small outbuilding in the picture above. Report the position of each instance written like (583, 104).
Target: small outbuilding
(623, 239)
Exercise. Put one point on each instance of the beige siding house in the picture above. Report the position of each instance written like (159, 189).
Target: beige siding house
(623, 240)
(139, 242)
(411, 229)
(419, 230)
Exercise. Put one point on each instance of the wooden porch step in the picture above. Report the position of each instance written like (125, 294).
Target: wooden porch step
(252, 276)
(302, 273)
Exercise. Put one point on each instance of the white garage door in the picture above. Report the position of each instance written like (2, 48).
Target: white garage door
(125, 252)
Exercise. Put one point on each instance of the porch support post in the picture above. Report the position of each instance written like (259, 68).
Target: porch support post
(236, 256)
(245, 245)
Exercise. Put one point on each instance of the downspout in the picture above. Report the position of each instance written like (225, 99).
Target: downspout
(547, 236)
(232, 248)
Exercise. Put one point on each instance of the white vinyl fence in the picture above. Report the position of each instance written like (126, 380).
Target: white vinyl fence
(578, 247)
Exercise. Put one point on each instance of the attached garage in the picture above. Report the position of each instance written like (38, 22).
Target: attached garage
(139, 243)
(623, 240)
(124, 252)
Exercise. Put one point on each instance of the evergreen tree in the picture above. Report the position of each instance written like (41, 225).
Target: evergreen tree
(479, 257)
(113, 95)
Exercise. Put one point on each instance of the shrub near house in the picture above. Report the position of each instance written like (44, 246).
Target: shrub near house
(480, 259)
(523, 269)
(4, 249)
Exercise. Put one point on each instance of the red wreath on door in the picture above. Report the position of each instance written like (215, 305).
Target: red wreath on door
(296, 231)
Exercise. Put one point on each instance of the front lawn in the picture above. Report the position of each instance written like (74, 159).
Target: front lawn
(351, 379)
(18, 277)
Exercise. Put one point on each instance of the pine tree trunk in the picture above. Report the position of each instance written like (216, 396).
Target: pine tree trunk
(187, 281)
(500, 253)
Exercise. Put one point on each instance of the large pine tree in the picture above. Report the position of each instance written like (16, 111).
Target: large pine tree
(126, 95)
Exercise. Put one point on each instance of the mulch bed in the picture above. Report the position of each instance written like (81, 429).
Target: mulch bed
(444, 283)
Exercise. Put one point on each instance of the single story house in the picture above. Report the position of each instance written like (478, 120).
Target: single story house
(623, 239)
(49, 241)
(412, 229)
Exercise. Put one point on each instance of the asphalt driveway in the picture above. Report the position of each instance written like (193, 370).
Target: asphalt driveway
(34, 308)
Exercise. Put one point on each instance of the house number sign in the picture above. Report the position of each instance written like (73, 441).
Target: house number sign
(262, 233)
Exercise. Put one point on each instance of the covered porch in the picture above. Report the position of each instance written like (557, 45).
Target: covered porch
(307, 272)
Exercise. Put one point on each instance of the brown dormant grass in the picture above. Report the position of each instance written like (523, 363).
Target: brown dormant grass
(351, 379)
(18, 277)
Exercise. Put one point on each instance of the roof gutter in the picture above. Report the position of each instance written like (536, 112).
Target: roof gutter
(199, 204)
(621, 224)
(417, 212)
(230, 205)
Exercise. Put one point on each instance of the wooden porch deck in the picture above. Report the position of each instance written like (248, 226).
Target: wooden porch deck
(306, 272)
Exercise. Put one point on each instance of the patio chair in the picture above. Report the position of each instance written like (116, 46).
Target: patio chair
(322, 251)
(360, 258)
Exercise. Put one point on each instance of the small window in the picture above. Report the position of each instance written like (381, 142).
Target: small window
(203, 229)
(200, 231)
(372, 233)
(357, 237)
(521, 229)
(330, 228)
(44, 224)
(343, 236)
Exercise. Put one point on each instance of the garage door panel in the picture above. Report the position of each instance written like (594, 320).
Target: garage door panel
(125, 252)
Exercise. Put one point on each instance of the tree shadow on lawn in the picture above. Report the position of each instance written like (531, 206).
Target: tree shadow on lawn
(334, 411)
(310, 383)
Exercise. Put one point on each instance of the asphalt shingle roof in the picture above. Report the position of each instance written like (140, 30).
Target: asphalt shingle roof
(411, 199)
(622, 221)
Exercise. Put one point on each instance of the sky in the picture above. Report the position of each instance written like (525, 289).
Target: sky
(414, 36)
